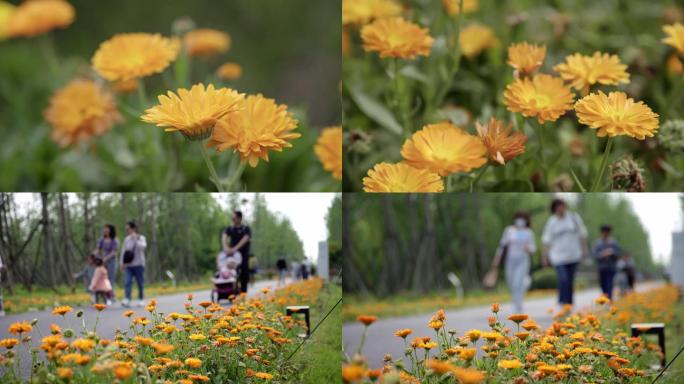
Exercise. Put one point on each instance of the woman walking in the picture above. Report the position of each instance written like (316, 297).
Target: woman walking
(107, 249)
(133, 263)
(565, 245)
(516, 247)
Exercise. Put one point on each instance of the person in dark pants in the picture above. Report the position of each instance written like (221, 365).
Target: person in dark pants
(606, 252)
(133, 263)
(565, 245)
(236, 238)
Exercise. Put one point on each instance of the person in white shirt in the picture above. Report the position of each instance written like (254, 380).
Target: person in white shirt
(133, 263)
(565, 245)
(516, 247)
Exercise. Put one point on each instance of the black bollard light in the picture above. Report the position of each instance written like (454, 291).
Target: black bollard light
(652, 329)
(302, 309)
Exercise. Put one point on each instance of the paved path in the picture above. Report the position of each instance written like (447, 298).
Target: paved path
(110, 319)
(381, 340)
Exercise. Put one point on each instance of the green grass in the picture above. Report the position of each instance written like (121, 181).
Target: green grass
(674, 340)
(320, 355)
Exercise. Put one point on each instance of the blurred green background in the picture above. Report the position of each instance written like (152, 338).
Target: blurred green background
(289, 50)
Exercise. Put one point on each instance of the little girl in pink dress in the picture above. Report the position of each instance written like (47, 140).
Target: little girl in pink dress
(99, 284)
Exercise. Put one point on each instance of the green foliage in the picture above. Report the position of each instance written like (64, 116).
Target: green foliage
(333, 220)
(298, 66)
(544, 279)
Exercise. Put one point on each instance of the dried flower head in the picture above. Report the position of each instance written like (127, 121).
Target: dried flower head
(502, 143)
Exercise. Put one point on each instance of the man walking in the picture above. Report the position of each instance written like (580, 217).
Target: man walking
(236, 238)
(133, 263)
(607, 252)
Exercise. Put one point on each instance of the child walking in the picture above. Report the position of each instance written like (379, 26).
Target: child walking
(99, 284)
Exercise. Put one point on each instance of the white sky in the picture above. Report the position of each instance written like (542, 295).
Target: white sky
(306, 211)
(660, 215)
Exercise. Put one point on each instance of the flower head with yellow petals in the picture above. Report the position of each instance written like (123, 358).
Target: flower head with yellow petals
(453, 7)
(258, 127)
(37, 17)
(675, 36)
(476, 38)
(206, 42)
(401, 178)
(328, 148)
(585, 71)
(364, 11)
(543, 96)
(194, 112)
(445, 149)
(616, 114)
(131, 55)
(526, 58)
(396, 37)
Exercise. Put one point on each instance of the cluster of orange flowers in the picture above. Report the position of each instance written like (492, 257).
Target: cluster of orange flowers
(251, 126)
(579, 347)
(248, 341)
(442, 149)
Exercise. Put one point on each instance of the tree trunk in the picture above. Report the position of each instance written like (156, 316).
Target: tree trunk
(47, 243)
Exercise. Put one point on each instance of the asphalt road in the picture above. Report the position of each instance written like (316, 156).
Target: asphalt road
(380, 339)
(110, 319)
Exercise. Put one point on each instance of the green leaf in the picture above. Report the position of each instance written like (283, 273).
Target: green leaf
(577, 180)
(375, 110)
(513, 186)
(414, 73)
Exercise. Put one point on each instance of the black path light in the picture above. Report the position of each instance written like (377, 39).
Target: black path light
(652, 329)
(300, 309)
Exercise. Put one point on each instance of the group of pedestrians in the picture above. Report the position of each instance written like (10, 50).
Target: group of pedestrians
(564, 246)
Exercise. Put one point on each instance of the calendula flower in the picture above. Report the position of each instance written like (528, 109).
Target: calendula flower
(36, 17)
(603, 299)
(229, 71)
(367, 319)
(84, 345)
(526, 58)
(61, 311)
(510, 364)
(99, 307)
(453, 7)
(502, 143)
(544, 97)
(474, 334)
(259, 126)
(363, 11)
(123, 371)
(675, 36)
(65, 373)
(444, 148)
(385, 177)
(475, 38)
(126, 86)
(193, 362)
(584, 71)
(19, 328)
(440, 367)
(328, 148)
(206, 42)
(194, 112)
(674, 65)
(616, 114)
(6, 10)
(263, 375)
(197, 337)
(9, 343)
(518, 317)
(131, 55)
(352, 372)
(396, 37)
(80, 111)
(403, 333)
(468, 376)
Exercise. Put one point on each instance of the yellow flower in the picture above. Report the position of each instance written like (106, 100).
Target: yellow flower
(453, 7)
(19, 328)
(197, 337)
(6, 10)
(80, 111)
(510, 364)
(126, 86)
(32, 18)
(131, 55)
(263, 375)
(75, 358)
(518, 317)
(444, 148)
(143, 340)
(675, 36)
(468, 376)
(363, 11)
(585, 71)
(396, 37)
(229, 71)
(123, 371)
(475, 38)
(206, 42)
(258, 127)
(329, 150)
(84, 345)
(65, 373)
(502, 143)
(403, 332)
(193, 362)
(474, 334)
(162, 348)
(367, 319)
(99, 307)
(440, 367)
(544, 97)
(615, 114)
(385, 177)
(526, 58)
(194, 112)
(128, 313)
(9, 343)
(674, 65)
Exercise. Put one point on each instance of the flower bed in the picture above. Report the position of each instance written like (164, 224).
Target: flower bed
(587, 346)
(247, 342)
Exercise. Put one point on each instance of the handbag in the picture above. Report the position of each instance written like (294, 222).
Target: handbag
(129, 255)
(490, 278)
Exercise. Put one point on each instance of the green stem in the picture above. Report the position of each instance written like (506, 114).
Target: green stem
(604, 163)
(540, 137)
(212, 171)
(478, 177)
(236, 175)
(142, 95)
(449, 182)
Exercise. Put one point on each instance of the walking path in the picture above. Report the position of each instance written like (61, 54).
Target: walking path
(380, 339)
(109, 320)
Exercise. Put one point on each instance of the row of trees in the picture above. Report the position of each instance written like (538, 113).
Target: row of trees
(395, 243)
(46, 238)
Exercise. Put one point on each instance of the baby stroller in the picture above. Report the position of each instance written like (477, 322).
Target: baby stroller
(225, 279)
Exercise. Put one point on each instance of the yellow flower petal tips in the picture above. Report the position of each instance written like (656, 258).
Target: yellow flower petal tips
(131, 55)
(36, 17)
(675, 36)
(444, 149)
(401, 178)
(259, 126)
(193, 112)
(544, 97)
(396, 37)
(363, 11)
(585, 71)
(329, 150)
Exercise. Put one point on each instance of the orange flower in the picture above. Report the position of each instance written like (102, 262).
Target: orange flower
(99, 307)
(206, 42)
(502, 143)
(61, 311)
(518, 317)
(396, 37)
(37, 17)
(403, 333)
(367, 319)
